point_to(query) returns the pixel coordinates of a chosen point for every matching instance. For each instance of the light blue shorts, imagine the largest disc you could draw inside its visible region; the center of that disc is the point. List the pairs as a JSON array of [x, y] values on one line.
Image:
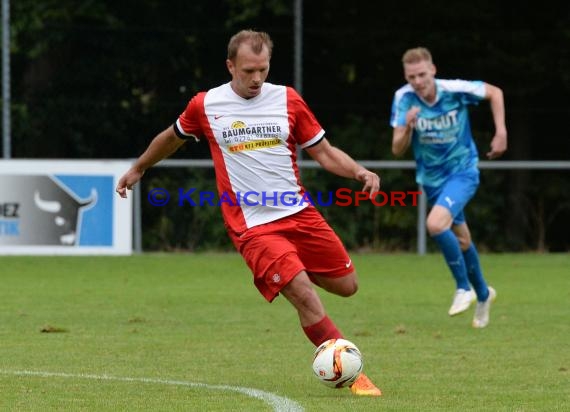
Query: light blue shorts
[[455, 193]]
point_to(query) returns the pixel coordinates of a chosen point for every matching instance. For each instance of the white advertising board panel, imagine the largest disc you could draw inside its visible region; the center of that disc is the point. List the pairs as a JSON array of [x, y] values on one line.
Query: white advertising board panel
[[63, 207]]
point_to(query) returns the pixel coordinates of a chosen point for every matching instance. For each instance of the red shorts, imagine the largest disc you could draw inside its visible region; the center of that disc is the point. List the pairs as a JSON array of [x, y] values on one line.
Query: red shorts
[[277, 251]]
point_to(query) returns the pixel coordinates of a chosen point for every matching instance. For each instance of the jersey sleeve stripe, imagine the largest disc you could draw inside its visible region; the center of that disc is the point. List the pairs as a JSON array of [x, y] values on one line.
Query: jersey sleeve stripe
[[180, 131], [314, 140]]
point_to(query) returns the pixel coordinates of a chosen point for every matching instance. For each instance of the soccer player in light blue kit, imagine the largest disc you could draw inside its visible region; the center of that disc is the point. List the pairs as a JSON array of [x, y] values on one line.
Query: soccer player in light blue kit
[[432, 115]]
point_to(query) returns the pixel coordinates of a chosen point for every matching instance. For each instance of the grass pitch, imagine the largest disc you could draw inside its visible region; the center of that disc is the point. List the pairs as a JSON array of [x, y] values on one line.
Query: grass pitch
[[191, 333]]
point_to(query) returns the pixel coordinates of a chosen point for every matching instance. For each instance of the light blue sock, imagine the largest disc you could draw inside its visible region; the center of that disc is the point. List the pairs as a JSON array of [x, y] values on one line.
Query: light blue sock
[[449, 246], [474, 273]]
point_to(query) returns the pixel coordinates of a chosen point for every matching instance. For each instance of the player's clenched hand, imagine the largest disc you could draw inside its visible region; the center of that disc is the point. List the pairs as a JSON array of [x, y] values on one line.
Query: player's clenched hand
[[127, 181], [498, 146], [371, 181], [412, 116]]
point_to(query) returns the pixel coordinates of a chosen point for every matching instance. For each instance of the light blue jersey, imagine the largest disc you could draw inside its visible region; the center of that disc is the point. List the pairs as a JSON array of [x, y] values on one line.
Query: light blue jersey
[[441, 140]]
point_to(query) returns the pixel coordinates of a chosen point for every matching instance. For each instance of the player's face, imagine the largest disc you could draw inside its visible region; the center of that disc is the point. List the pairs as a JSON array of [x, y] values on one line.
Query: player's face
[[421, 76], [248, 70]]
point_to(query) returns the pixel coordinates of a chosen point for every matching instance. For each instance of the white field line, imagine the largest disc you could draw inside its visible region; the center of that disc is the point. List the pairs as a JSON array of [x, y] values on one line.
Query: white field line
[[279, 403]]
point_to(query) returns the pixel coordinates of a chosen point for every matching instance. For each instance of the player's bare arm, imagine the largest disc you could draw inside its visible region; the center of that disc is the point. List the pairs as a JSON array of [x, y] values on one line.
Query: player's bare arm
[[496, 101], [162, 146], [338, 162], [402, 136]]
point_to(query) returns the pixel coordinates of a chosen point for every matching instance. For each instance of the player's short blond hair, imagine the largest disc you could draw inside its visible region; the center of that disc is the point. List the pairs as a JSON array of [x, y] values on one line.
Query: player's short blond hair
[[256, 39], [416, 55]]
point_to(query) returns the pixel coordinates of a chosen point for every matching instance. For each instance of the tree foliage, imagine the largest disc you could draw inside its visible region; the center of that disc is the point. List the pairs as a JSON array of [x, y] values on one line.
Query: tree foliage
[[98, 79]]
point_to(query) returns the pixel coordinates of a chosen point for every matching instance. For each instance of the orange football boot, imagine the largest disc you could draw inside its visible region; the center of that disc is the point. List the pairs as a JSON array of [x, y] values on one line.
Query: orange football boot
[[364, 386]]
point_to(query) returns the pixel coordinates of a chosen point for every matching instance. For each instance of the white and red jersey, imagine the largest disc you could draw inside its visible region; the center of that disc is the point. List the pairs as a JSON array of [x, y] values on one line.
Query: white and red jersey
[[253, 144]]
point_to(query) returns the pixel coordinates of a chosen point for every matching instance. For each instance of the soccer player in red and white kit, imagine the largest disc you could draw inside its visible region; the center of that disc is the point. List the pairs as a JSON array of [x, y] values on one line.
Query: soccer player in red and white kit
[[253, 129]]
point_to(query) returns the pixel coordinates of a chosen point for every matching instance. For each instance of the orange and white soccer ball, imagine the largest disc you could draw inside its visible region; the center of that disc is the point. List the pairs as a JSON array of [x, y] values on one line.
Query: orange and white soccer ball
[[337, 363]]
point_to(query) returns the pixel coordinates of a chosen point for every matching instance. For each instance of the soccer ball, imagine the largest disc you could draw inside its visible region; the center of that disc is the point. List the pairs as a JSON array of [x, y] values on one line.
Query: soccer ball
[[337, 363]]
